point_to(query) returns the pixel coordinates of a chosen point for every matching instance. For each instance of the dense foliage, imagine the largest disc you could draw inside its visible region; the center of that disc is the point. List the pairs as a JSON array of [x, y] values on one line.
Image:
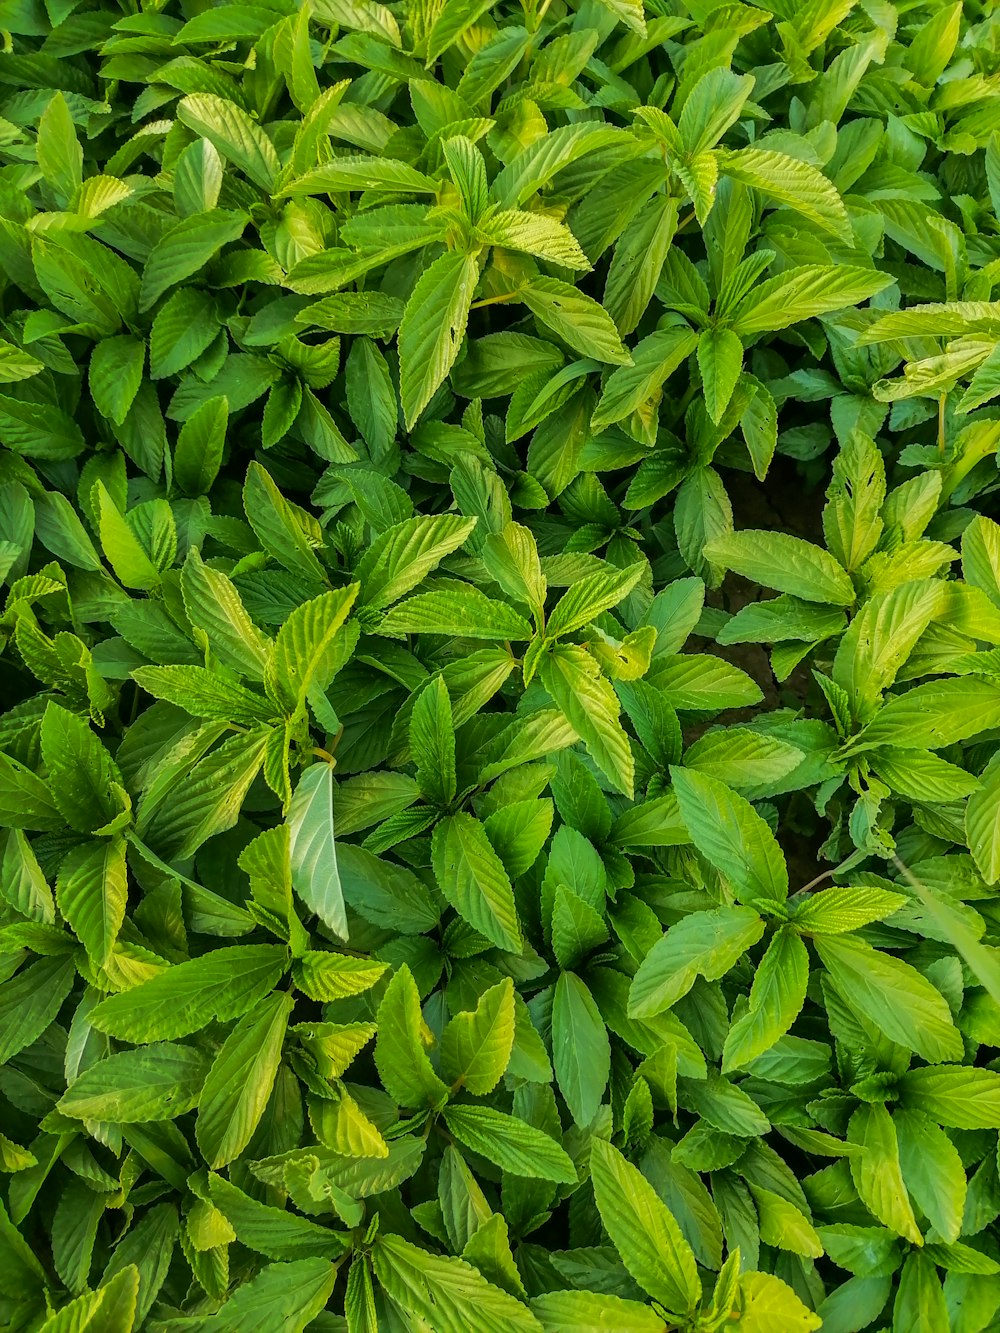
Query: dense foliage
[[443, 889]]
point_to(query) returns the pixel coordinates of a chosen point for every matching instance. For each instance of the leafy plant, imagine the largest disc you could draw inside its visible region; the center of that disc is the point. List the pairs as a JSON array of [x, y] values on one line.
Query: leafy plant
[[499, 785]]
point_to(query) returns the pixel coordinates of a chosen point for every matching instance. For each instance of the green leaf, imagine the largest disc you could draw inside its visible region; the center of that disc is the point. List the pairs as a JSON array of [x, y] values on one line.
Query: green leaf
[[459, 611], [510, 1143], [581, 1052], [157, 1082], [932, 1170], [729, 833], [836, 911], [982, 822], [60, 157], [589, 1312], [703, 944], [200, 445], [405, 554], [116, 367], [92, 892], [432, 743], [803, 293], [720, 360], [892, 995], [220, 985], [876, 1173], [476, 1045], [644, 1232], [282, 1296], [214, 607], [776, 998], [231, 131], [400, 1057], [590, 706], [768, 1303], [111, 1308], [473, 879], [278, 525], [959, 1098], [575, 318], [209, 801], [934, 715], [589, 596], [313, 850], [433, 328], [185, 248], [641, 379], [441, 1291], [30, 1001], [792, 184], [786, 563], [240, 1080], [82, 775], [204, 693]]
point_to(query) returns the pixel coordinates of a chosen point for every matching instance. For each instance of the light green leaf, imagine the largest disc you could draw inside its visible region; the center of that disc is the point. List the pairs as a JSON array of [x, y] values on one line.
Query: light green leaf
[[433, 328], [704, 944], [440, 1291], [720, 359], [472, 878], [588, 702], [892, 995], [644, 1231], [231, 131], [778, 560], [510, 1144], [776, 999], [220, 985], [576, 319], [476, 1045], [791, 183], [402, 1062], [240, 1080], [185, 248], [729, 833], [92, 892], [313, 848], [982, 822], [157, 1082], [803, 293]]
